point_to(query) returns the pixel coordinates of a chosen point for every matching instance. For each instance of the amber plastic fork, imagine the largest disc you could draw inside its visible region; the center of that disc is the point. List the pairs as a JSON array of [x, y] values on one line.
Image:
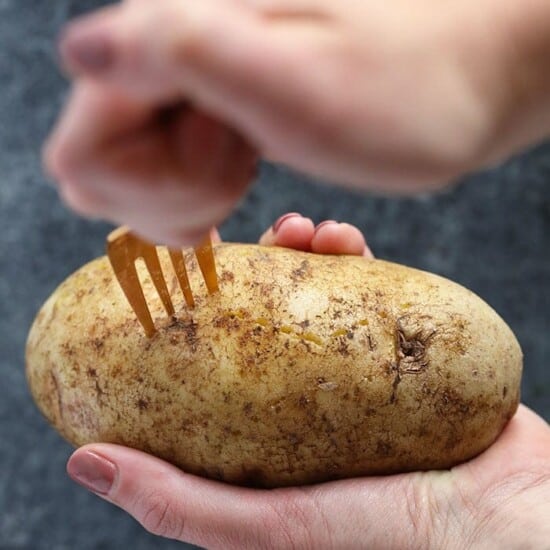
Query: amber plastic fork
[[124, 248]]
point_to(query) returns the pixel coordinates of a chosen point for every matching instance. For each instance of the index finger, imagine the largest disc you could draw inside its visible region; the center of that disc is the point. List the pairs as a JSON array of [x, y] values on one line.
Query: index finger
[[93, 116]]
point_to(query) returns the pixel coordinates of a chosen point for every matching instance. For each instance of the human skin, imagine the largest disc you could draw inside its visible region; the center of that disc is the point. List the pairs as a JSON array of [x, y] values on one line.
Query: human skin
[[397, 97], [501, 499]]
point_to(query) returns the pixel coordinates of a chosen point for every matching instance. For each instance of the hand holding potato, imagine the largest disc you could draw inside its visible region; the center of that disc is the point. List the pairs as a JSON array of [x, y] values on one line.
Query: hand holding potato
[[465, 506], [498, 500], [198, 100], [302, 368]]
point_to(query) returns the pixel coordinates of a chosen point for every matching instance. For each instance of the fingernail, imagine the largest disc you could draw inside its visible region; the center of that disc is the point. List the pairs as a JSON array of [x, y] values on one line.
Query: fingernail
[[87, 50], [94, 472], [326, 222], [277, 225]]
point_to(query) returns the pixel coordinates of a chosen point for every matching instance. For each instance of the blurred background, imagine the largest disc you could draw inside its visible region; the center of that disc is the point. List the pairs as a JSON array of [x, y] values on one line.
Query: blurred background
[[491, 233]]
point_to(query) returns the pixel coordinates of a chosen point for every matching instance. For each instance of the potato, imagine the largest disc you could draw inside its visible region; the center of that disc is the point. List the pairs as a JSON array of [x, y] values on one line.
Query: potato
[[303, 368]]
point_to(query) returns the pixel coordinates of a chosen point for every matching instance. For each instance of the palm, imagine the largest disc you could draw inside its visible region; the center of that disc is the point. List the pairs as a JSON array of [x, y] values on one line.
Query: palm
[[471, 505], [471, 502]]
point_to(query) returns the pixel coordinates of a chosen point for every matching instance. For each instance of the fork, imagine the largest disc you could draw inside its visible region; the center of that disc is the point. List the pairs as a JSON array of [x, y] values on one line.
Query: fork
[[124, 248]]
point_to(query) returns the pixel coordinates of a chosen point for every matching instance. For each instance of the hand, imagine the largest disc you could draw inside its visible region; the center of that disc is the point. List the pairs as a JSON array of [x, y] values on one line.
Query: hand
[[501, 499], [169, 176], [388, 96]]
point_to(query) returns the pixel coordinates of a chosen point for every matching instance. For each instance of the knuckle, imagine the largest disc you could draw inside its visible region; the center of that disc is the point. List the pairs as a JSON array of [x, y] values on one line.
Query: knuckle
[[159, 516], [186, 46]]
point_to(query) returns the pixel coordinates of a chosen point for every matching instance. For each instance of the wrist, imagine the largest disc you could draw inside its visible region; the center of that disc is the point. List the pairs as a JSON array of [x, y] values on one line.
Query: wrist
[[503, 51], [522, 57]]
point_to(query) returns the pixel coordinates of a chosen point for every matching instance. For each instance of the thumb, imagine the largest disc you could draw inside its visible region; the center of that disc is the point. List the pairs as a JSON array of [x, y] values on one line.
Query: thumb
[[381, 512], [173, 504], [223, 55]]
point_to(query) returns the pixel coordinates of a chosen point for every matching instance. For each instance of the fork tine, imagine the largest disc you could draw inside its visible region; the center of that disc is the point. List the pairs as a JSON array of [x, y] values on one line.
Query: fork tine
[[149, 254], [122, 249], [181, 273], [207, 264]]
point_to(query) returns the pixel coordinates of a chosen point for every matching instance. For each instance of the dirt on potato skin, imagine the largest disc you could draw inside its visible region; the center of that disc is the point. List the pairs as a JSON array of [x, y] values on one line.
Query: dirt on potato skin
[[302, 369]]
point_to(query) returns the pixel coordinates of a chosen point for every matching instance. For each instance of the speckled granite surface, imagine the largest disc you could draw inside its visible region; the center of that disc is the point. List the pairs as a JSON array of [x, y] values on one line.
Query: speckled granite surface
[[491, 234]]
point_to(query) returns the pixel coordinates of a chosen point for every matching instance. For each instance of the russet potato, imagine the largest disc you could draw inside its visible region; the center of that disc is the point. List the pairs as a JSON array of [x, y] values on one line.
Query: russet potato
[[302, 368]]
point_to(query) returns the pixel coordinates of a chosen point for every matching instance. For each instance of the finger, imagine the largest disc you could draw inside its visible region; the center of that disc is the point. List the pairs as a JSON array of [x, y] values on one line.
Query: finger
[[92, 117], [291, 230], [213, 52], [168, 180], [174, 201], [94, 121], [339, 238], [170, 503], [215, 236], [122, 45]]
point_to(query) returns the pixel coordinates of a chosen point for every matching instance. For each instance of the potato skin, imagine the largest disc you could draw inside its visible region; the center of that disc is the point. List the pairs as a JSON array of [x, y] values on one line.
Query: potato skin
[[303, 368]]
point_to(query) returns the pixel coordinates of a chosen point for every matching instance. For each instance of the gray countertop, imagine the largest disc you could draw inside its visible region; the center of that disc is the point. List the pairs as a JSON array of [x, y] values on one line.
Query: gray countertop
[[491, 234]]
